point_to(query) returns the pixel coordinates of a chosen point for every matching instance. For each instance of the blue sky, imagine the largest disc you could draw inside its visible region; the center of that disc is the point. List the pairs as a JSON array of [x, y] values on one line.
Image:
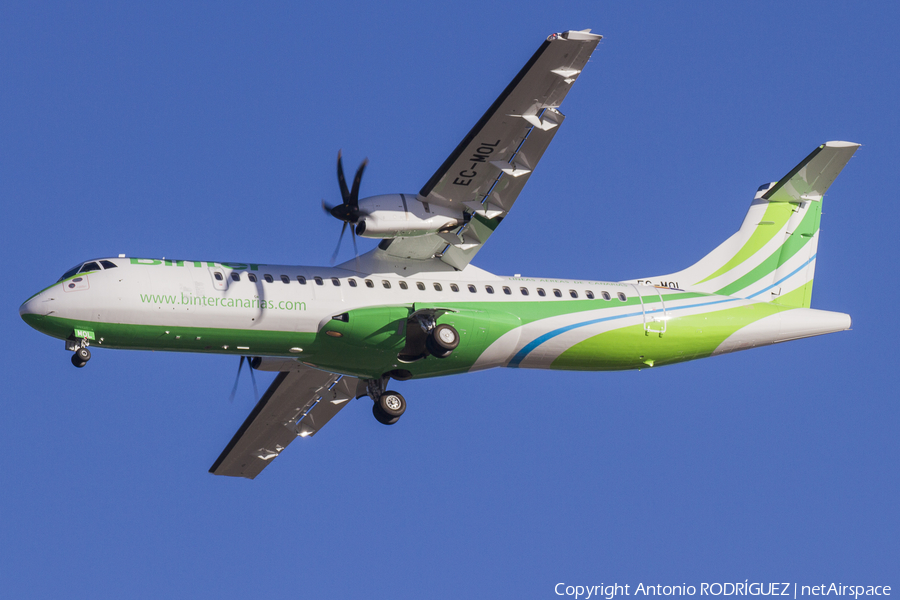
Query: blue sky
[[210, 131]]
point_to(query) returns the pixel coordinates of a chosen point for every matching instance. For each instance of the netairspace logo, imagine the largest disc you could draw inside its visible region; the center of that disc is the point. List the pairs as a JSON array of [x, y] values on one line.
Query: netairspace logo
[[740, 588]]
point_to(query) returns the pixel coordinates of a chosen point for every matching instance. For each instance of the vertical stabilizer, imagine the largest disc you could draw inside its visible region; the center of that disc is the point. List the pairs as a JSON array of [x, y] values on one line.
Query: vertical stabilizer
[[773, 255]]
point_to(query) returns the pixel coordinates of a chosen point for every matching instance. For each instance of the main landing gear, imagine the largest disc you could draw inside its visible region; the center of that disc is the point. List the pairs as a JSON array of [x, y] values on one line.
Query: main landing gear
[[388, 406], [428, 338], [81, 354], [388, 409], [442, 341]]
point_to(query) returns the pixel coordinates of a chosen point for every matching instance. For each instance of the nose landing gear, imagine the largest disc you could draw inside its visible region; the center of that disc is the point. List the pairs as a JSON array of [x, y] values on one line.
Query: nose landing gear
[[81, 357]]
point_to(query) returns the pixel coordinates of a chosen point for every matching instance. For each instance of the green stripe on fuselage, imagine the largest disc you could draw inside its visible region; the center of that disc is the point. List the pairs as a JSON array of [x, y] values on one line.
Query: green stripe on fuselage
[[345, 355], [686, 338]]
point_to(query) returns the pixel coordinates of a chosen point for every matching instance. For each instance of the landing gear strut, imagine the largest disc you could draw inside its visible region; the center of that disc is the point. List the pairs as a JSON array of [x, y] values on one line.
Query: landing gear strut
[[388, 406]]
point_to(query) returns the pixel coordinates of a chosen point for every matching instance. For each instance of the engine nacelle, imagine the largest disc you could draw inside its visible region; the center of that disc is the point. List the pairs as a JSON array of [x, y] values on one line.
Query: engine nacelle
[[404, 215]]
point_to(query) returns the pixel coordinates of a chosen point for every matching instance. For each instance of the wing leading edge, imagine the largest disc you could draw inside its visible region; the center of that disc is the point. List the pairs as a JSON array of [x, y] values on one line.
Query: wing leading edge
[[297, 404], [490, 166]]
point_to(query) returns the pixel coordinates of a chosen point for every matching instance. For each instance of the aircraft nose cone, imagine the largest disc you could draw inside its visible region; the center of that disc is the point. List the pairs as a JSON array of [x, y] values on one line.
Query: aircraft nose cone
[[30, 306], [36, 308]]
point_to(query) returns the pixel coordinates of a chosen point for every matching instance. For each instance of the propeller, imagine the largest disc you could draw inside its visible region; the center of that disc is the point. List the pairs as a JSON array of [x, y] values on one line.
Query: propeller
[[252, 377], [348, 210]]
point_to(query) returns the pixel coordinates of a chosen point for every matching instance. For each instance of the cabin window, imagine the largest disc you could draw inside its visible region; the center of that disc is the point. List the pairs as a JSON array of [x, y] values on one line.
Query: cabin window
[[524, 291], [420, 285], [89, 266], [541, 292], [437, 287], [403, 285], [218, 276], [369, 283], [268, 278], [454, 287], [471, 288], [235, 276], [621, 296], [573, 293], [301, 279], [506, 290], [285, 279], [335, 281], [606, 295], [251, 277], [351, 282], [557, 293], [386, 284], [318, 280], [589, 294], [107, 264], [489, 289]]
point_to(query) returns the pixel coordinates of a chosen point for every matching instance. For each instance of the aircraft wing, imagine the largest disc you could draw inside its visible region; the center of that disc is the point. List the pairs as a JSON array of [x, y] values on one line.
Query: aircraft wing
[[491, 165], [298, 403]]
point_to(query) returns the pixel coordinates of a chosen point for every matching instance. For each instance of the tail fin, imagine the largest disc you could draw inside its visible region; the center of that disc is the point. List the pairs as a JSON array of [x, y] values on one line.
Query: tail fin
[[773, 256]]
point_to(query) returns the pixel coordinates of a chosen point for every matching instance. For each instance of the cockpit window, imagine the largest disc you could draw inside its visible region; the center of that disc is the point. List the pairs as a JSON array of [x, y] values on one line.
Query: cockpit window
[[70, 272], [92, 265]]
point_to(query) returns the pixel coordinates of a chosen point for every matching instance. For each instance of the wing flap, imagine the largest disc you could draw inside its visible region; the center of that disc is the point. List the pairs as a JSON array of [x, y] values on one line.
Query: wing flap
[[298, 403]]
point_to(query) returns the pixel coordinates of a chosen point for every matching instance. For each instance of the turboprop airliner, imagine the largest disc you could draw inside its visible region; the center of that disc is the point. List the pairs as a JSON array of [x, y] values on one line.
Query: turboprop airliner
[[416, 307]]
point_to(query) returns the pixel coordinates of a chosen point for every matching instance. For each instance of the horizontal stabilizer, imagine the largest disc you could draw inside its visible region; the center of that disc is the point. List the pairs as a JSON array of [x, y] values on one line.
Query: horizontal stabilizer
[[811, 178]]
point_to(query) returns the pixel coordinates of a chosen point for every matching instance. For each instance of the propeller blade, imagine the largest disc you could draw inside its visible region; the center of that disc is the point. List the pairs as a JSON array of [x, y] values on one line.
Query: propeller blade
[[355, 249], [236, 379], [334, 256], [343, 182], [348, 211], [253, 379], [354, 193]]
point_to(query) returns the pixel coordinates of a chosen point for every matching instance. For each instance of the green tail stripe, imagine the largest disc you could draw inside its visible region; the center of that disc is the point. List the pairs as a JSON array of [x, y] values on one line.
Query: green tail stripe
[[799, 298], [776, 213], [801, 236]]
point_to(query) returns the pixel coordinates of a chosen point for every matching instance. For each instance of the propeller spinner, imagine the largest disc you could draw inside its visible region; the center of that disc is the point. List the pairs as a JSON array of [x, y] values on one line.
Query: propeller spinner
[[348, 211]]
